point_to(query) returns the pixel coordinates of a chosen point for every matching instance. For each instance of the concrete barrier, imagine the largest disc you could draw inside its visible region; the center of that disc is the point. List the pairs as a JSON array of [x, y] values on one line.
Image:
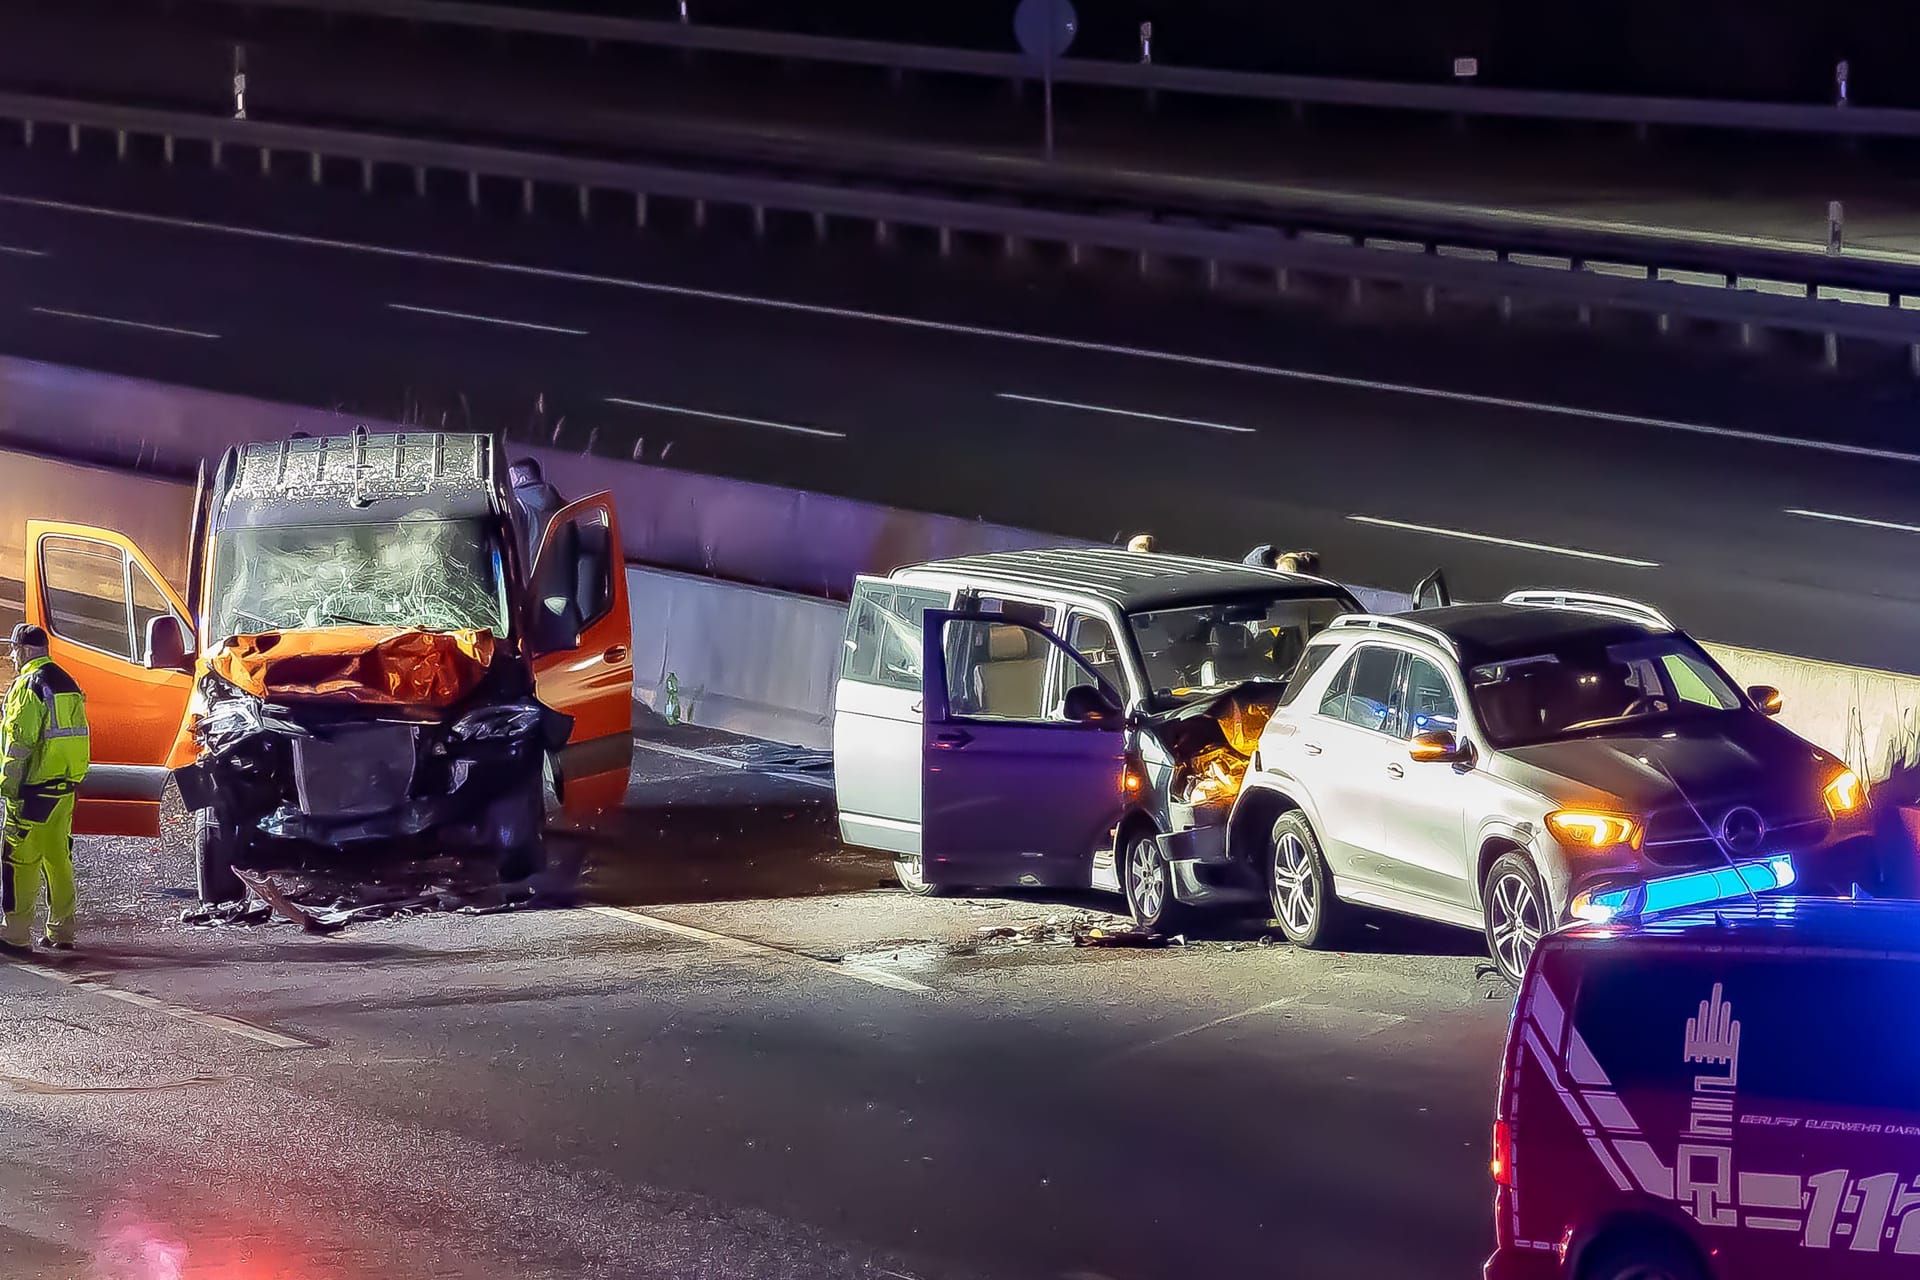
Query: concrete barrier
[[737, 582]]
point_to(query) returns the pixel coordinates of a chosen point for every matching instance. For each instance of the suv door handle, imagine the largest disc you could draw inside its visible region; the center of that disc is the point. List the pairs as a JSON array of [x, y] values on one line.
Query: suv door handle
[[951, 738], [1397, 769], [1311, 748]]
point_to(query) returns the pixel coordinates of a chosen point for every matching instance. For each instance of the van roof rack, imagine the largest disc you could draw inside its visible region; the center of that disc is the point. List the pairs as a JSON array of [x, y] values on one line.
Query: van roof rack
[[1588, 602], [1380, 622]]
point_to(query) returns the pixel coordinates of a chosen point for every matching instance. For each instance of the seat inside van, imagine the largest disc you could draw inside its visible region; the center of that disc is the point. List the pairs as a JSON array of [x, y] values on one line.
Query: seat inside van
[[1013, 676]]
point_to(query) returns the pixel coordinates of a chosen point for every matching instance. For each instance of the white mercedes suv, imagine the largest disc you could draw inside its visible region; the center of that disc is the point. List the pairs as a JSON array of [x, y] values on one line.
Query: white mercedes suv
[[1511, 766]]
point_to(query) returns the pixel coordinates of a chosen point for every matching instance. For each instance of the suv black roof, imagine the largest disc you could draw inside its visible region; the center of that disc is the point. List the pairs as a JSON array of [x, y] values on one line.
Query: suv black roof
[[1131, 580], [356, 478], [1488, 632], [1887, 927]]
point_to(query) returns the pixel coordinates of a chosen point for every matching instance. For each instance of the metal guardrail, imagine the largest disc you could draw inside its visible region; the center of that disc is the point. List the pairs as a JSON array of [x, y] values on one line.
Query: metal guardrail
[[1764, 296], [1462, 100]]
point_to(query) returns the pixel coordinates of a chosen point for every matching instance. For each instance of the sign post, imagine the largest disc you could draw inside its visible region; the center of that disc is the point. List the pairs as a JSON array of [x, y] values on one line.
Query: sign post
[[239, 82], [1045, 30]]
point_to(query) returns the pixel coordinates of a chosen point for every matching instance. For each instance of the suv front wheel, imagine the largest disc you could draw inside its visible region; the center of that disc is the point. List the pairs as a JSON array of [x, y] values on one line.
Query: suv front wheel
[[1515, 905], [1300, 886]]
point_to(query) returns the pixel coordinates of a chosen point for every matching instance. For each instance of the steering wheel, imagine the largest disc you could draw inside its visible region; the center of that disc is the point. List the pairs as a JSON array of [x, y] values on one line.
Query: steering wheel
[[1645, 705]]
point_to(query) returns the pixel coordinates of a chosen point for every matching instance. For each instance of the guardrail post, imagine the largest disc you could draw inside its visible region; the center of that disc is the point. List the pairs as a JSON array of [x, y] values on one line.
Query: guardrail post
[[26, 133], [1913, 359], [882, 232], [760, 222], [526, 195], [1429, 300], [946, 242], [473, 188], [420, 180], [640, 210], [586, 203], [700, 214], [820, 226], [1213, 273], [166, 148], [1664, 322], [218, 149], [1355, 291], [266, 161], [120, 144], [1506, 307], [73, 138], [1073, 253], [366, 176], [1585, 314], [1010, 245], [314, 169], [1836, 226], [1830, 351], [1746, 334], [1145, 262], [1282, 278]]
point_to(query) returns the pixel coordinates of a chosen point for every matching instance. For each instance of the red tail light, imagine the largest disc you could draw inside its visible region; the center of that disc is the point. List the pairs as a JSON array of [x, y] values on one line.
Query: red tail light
[[1502, 1162]]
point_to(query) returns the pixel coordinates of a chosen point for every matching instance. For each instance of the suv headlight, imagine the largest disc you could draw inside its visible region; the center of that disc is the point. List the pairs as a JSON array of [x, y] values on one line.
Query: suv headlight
[[1844, 794], [1592, 829], [490, 724]]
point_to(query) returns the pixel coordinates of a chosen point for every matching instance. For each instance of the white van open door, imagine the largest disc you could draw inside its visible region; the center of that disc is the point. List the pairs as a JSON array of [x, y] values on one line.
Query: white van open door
[[877, 715]]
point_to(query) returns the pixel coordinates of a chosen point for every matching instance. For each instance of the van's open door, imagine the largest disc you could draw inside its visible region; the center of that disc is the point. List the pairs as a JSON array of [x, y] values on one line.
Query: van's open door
[[579, 584], [1012, 792], [95, 594]]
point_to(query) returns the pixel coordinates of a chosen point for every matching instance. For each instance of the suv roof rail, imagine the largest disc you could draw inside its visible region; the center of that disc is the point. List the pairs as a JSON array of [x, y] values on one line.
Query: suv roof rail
[[1588, 602], [1380, 622]]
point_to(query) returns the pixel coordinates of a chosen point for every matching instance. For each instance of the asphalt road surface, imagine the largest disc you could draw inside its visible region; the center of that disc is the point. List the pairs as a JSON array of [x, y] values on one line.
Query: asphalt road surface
[[1758, 501], [737, 1056]]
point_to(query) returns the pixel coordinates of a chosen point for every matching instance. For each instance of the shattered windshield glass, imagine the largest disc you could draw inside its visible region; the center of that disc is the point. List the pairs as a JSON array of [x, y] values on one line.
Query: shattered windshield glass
[[439, 575], [1209, 646]]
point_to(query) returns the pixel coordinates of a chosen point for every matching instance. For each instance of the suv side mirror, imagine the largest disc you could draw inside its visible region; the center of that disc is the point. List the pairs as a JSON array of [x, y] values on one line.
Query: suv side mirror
[[1438, 745], [1767, 698], [1089, 704], [166, 648]]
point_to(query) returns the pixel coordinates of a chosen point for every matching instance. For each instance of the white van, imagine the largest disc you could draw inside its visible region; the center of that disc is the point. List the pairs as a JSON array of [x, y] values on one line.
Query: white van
[[1087, 720]]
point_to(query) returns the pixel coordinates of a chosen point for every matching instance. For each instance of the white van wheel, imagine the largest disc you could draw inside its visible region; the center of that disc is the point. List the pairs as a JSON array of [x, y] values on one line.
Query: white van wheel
[[1148, 882], [908, 871]]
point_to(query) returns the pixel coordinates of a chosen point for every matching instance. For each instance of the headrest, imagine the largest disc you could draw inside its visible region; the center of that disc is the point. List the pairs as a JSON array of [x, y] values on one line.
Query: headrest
[[1006, 643]]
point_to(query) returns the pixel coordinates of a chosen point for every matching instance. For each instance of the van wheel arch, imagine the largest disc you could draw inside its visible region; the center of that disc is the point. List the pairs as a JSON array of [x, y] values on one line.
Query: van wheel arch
[[1618, 1240]]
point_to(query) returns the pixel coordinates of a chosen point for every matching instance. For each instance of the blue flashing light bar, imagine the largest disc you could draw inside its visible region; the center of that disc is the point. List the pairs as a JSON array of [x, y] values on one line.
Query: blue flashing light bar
[[1691, 889]]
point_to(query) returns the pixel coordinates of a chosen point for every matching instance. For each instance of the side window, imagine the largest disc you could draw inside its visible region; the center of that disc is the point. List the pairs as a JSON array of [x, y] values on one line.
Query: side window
[[148, 604], [997, 671], [1691, 684], [1365, 696], [1334, 701], [1429, 700], [884, 627], [85, 584], [577, 565], [1090, 636], [1311, 661]]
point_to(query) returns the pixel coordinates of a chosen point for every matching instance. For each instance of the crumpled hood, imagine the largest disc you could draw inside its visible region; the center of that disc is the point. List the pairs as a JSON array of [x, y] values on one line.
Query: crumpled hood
[[375, 666], [1710, 756]]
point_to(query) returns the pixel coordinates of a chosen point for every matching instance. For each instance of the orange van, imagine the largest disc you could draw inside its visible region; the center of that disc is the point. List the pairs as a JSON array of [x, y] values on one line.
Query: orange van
[[362, 657]]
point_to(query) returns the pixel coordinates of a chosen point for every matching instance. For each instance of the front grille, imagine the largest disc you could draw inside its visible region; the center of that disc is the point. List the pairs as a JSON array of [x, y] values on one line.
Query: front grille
[[1676, 836], [354, 772]]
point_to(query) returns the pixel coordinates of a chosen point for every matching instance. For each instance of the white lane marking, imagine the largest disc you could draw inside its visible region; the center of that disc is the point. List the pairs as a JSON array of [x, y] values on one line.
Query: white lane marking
[[1577, 554], [212, 1021], [1124, 413], [1894, 525], [684, 753], [1281, 1003], [21, 251], [976, 331], [727, 942], [480, 319], [123, 324], [726, 417]]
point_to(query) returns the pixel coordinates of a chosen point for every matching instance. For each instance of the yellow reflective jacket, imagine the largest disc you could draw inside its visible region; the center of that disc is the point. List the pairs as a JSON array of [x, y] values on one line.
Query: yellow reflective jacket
[[43, 730]]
